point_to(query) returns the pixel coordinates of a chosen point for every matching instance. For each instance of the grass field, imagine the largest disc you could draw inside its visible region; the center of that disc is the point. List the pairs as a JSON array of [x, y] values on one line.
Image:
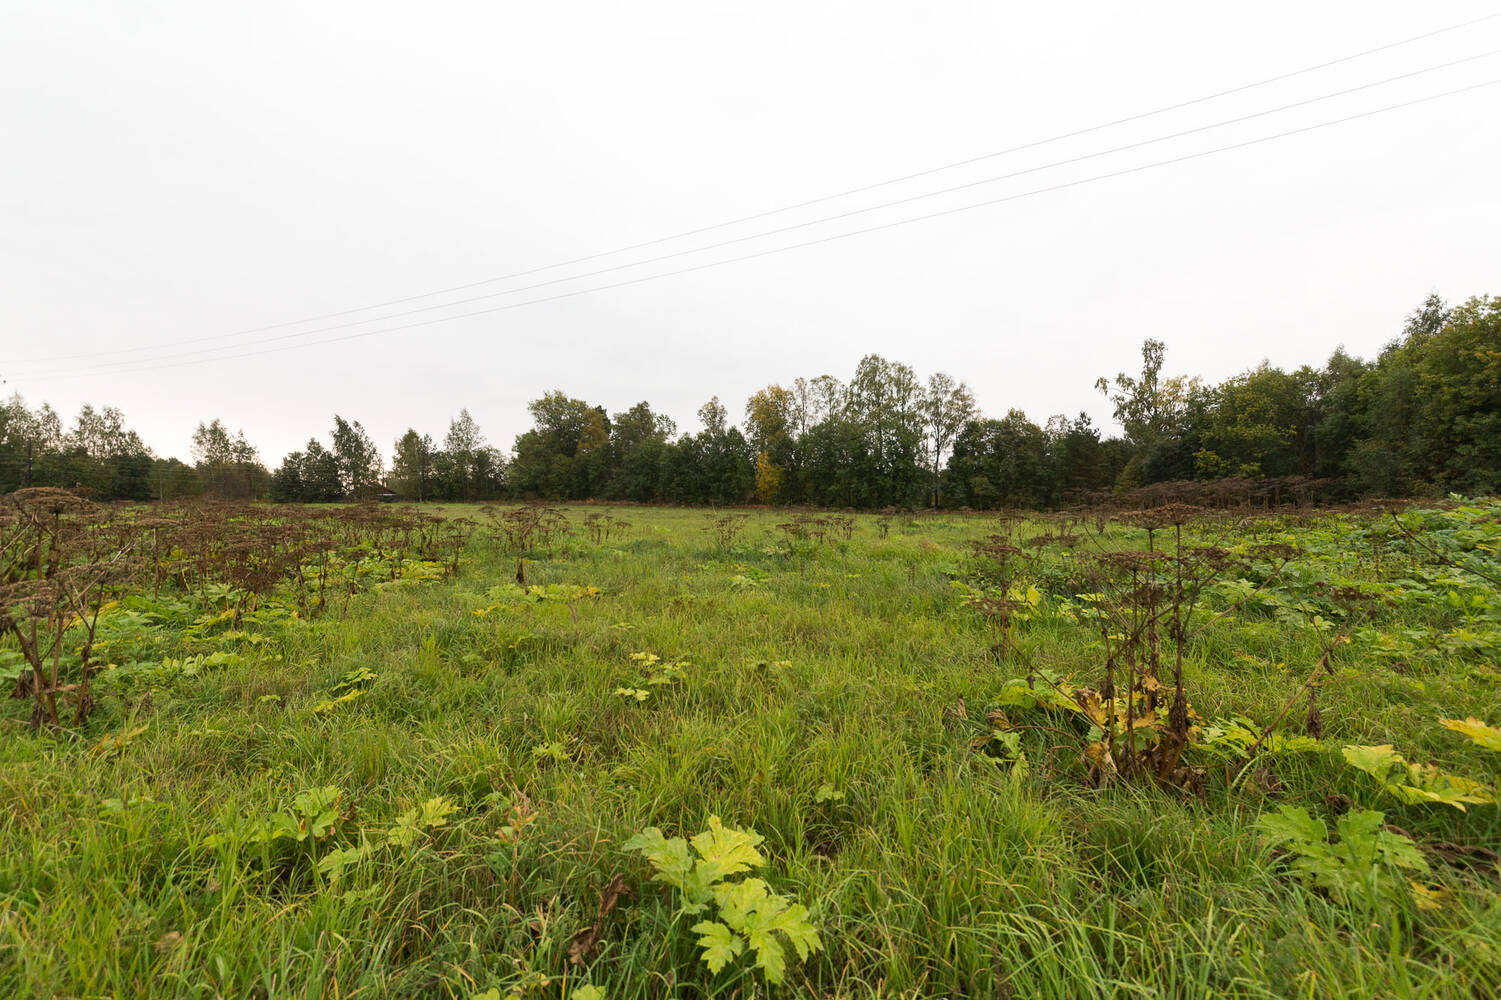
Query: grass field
[[470, 759]]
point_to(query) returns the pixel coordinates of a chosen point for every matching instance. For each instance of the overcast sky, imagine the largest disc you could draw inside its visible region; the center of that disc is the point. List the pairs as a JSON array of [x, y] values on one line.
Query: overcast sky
[[178, 171]]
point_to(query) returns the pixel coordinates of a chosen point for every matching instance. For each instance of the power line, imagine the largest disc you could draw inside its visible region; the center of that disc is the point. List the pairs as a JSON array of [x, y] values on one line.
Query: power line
[[124, 365], [787, 208], [820, 240]]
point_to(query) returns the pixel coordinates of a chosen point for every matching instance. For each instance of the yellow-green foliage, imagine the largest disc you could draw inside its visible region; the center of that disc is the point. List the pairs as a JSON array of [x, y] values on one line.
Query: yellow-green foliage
[[1416, 783], [749, 915], [1484, 736]]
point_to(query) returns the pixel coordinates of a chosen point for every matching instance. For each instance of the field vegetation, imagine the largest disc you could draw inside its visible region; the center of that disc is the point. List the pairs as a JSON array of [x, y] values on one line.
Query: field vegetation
[[287, 751]]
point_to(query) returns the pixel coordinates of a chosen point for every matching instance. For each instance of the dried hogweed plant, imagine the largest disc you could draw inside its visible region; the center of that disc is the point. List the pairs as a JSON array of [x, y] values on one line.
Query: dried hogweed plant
[[1147, 605], [61, 563]]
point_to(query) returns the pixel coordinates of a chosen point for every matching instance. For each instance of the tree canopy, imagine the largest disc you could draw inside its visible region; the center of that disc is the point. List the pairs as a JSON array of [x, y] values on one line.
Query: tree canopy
[[1422, 417]]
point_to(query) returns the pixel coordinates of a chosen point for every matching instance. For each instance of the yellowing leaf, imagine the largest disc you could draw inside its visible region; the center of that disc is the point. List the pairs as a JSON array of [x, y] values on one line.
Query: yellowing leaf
[[750, 915], [1416, 784], [738, 900], [668, 857], [111, 743], [1482, 735], [729, 850], [436, 810], [1377, 761], [1427, 898], [326, 706]]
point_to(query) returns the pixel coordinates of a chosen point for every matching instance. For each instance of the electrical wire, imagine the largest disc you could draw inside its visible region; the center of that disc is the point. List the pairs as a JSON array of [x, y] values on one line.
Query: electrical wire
[[807, 243], [1139, 116], [124, 365]]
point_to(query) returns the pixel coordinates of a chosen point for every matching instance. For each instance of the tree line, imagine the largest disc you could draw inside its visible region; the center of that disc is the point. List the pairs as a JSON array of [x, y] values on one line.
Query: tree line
[[1423, 416]]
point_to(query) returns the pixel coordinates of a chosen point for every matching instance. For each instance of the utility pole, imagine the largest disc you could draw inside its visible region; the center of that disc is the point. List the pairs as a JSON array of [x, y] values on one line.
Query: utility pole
[[28, 463]]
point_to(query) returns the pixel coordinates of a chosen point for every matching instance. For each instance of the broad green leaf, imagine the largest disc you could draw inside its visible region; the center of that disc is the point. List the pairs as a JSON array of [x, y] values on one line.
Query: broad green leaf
[[828, 793], [769, 955], [318, 809], [428, 816], [1238, 736], [405, 833], [1363, 843], [1016, 692], [1278, 742], [1361, 824], [698, 887], [749, 915], [648, 842], [760, 915], [793, 922], [1293, 826], [334, 863], [315, 799], [1377, 761], [720, 945], [1356, 866], [1400, 852], [281, 825]]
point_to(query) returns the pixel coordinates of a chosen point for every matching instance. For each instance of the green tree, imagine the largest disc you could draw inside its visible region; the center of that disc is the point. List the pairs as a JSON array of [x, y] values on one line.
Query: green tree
[[770, 421], [1457, 375], [946, 408], [464, 452], [412, 466], [357, 459], [173, 479], [1256, 425], [227, 465], [1148, 406], [886, 400], [1079, 458], [566, 454], [1000, 463], [310, 476], [638, 442]]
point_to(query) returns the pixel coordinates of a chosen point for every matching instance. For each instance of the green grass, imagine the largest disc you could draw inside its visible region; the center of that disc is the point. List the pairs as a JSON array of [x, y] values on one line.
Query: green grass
[[936, 874]]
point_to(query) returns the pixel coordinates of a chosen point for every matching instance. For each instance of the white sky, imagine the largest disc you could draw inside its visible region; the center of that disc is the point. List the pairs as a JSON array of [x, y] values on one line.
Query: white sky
[[180, 170]]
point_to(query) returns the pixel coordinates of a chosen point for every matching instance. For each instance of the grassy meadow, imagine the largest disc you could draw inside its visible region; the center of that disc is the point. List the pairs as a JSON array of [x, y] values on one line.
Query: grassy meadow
[[426, 791]]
